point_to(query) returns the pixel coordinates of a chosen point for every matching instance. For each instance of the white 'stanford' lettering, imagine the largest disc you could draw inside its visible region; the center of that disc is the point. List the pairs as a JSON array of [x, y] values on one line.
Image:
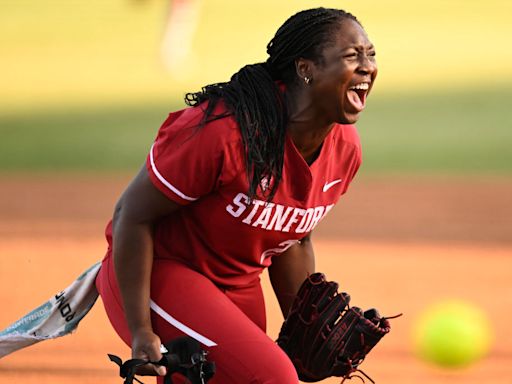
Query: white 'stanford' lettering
[[279, 218], [264, 216], [240, 206], [294, 218], [276, 217], [250, 216], [306, 220]]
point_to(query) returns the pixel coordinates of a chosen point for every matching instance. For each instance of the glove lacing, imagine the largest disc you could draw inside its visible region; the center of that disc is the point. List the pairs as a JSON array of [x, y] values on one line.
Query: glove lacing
[[354, 366]]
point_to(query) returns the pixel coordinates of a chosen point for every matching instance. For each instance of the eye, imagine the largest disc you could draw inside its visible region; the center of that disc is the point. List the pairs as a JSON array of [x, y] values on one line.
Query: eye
[[350, 55]]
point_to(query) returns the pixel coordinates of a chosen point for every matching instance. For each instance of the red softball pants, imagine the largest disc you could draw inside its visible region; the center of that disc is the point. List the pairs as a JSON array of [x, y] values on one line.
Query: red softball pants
[[230, 324]]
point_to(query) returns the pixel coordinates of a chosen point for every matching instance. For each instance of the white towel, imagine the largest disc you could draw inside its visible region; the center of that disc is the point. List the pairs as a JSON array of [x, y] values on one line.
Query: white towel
[[57, 317]]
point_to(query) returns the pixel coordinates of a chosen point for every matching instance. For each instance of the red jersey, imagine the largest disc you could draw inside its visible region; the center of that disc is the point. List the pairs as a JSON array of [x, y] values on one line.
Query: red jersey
[[219, 231]]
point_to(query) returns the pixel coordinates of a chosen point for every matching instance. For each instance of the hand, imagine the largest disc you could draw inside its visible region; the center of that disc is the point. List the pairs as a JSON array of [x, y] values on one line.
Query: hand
[[146, 345]]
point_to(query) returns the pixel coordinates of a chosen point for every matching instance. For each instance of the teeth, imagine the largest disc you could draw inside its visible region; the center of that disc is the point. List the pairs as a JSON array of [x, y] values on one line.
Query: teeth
[[362, 86]]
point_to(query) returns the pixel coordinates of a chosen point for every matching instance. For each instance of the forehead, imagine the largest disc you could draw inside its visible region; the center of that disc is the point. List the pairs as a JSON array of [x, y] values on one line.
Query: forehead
[[349, 34]]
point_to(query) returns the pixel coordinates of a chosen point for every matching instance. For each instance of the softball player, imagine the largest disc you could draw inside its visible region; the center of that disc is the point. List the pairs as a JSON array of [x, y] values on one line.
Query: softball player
[[232, 185]]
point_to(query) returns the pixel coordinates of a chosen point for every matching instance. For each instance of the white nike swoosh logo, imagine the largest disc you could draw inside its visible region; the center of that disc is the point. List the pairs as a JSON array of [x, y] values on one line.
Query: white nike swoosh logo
[[328, 186]]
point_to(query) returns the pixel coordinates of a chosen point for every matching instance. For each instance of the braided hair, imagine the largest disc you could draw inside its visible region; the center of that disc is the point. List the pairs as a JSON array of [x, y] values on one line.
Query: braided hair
[[253, 96]]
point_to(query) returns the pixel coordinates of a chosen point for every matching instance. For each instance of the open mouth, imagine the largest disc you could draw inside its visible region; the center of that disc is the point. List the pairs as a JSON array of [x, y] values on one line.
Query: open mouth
[[357, 95]]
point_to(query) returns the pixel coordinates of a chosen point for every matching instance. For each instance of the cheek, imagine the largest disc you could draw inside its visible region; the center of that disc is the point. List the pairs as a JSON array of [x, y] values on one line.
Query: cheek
[[375, 71], [332, 86], [338, 81]]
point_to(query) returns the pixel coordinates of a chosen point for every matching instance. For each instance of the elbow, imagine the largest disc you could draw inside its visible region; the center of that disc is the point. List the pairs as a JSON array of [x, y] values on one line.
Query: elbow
[[117, 212], [127, 214]]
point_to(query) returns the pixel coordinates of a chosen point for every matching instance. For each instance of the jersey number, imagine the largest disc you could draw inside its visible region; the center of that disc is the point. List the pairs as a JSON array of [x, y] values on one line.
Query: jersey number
[[283, 246]]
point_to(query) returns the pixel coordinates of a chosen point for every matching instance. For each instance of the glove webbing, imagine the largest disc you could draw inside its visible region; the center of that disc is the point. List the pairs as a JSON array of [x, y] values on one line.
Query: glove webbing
[[351, 375]]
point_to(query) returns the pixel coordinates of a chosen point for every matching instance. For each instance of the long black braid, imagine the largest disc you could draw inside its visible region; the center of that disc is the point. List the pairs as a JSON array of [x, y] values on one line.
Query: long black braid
[[253, 96]]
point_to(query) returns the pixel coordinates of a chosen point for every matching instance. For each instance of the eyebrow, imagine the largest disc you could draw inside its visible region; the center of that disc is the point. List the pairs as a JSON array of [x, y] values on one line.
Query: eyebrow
[[359, 47]]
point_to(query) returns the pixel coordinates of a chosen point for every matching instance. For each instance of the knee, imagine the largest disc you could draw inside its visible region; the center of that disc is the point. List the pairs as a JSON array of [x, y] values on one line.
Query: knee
[[278, 370], [269, 366]]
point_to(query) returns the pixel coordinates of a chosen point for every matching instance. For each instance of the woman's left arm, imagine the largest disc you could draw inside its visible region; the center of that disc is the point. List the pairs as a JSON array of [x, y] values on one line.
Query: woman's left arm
[[289, 270]]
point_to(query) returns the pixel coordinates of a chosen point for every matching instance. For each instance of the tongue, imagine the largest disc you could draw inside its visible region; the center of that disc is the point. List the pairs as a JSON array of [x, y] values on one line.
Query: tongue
[[355, 100]]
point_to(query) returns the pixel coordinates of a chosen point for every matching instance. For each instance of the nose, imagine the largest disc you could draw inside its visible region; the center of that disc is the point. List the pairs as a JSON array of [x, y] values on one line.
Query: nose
[[367, 64]]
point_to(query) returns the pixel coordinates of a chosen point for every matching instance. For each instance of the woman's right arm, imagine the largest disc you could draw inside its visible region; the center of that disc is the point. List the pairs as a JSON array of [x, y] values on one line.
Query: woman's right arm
[[136, 212]]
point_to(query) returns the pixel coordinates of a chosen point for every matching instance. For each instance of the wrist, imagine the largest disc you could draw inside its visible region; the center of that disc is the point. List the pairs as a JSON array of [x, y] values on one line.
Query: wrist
[[140, 329]]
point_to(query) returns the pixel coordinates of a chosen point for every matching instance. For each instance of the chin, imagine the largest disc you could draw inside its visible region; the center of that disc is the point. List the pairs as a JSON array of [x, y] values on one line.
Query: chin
[[348, 119]]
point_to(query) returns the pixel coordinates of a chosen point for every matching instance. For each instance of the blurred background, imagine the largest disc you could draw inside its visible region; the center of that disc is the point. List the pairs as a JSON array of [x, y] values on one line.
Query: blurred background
[[84, 87]]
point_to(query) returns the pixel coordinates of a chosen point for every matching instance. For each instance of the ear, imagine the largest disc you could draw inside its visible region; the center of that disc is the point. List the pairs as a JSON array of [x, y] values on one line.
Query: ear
[[304, 68]]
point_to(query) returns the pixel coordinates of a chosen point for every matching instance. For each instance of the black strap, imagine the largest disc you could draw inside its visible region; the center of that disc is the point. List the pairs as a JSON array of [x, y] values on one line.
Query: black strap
[[127, 369], [184, 356]]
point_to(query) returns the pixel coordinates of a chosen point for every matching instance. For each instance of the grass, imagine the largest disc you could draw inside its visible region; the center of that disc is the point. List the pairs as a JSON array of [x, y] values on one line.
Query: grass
[[107, 139], [459, 132]]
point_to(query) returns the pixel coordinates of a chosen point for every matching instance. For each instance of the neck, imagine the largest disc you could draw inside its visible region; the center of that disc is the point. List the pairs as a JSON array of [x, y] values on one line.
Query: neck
[[307, 130], [307, 142]]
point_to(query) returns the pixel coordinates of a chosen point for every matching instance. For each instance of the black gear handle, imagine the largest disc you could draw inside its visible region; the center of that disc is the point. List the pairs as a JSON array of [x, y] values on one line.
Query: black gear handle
[[182, 355]]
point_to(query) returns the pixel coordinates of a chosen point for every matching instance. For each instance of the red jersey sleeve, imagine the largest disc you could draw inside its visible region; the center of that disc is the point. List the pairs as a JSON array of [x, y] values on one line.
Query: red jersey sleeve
[[187, 160]]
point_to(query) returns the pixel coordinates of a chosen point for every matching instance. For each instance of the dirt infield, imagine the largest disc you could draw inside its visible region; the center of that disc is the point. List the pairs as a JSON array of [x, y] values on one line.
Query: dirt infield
[[398, 244]]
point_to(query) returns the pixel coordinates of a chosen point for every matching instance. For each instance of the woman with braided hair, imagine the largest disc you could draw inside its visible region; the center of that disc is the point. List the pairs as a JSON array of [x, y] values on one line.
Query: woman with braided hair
[[235, 184]]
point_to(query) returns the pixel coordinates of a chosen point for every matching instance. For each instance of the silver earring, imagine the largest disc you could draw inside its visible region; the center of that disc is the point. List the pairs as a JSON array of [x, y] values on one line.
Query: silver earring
[[307, 80]]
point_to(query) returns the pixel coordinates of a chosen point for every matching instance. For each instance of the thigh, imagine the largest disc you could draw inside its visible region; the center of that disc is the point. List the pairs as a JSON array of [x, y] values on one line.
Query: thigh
[[251, 302], [192, 304]]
